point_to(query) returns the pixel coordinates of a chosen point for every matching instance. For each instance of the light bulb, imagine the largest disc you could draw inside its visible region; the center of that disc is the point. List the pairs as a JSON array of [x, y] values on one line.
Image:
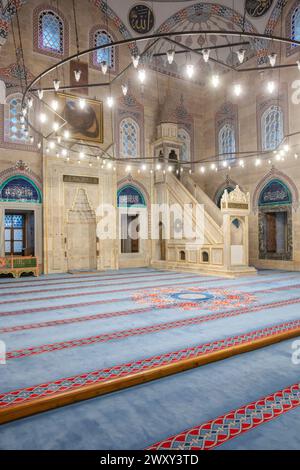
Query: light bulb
[[142, 75], [104, 67], [257, 162], [241, 55], [55, 126], [213, 166], [39, 145], [77, 74], [286, 147], [43, 118], [272, 59], [215, 80], [58, 139], [64, 152], [158, 166], [110, 101], [47, 150], [190, 70], [124, 89], [56, 84], [31, 139], [241, 163], [40, 94], [128, 168], [225, 164], [82, 103], [109, 165], [81, 155], [52, 144], [67, 134], [144, 167], [170, 56], [206, 53], [296, 156], [202, 169], [271, 86], [135, 60], [237, 89], [54, 105], [170, 168], [298, 64]]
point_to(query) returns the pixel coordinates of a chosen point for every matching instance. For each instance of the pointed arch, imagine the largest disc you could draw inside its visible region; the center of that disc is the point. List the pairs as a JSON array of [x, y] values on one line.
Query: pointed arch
[[272, 175]]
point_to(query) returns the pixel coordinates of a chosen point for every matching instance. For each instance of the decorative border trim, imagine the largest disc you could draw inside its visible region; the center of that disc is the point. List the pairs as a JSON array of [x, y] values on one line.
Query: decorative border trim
[[27, 401], [235, 423]]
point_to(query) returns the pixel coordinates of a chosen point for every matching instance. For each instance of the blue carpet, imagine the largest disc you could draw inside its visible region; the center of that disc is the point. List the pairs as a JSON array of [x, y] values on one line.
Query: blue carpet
[[138, 417]]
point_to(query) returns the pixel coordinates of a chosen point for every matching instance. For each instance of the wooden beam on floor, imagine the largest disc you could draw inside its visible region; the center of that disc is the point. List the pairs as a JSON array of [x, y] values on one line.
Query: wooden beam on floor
[[22, 410]]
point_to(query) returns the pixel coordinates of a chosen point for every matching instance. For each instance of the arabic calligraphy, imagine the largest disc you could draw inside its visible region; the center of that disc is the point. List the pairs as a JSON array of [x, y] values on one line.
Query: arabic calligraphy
[[141, 19], [257, 8]]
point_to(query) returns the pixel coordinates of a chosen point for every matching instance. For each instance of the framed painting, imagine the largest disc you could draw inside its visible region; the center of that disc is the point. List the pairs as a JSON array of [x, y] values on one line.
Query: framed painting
[[84, 123]]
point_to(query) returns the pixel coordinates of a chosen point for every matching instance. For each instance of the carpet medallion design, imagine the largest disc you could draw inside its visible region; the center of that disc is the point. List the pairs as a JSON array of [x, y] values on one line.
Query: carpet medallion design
[[194, 297]]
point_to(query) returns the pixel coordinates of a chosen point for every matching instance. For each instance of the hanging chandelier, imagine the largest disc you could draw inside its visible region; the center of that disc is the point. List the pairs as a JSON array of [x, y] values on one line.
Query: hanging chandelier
[[60, 137]]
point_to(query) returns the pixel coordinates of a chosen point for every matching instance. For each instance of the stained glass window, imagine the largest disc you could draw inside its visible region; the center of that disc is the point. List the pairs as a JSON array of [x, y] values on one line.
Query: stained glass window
[[14, 128], [51, 32], [185, 152], [295, 25], [14, 234], [227, 142], [272, 127], [104, 55], [129, 138]]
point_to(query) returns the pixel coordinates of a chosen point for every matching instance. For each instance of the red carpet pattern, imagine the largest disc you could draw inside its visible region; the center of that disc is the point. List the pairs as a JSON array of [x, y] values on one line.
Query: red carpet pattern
[[47, 348], [224, 428], [123, 370]]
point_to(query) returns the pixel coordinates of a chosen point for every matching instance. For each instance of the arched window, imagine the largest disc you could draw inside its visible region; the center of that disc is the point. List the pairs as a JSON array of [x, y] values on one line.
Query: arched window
[[227, 142], [101, 38], [50, 32], [185, 152], [129, 138], [272, 127], [295, 24], [293, 27], [14, 129]]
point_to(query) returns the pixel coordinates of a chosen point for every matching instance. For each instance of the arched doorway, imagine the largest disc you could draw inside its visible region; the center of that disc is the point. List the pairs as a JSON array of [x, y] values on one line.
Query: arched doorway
[[20, 208], [275, 221], [132, 207]]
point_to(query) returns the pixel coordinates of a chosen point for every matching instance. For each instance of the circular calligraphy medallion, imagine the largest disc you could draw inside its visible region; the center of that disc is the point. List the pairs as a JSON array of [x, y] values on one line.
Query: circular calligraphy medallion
[[257, 8], [141, 19]]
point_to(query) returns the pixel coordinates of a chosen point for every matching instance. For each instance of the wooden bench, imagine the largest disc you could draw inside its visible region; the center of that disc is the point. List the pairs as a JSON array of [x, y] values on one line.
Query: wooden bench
[[17, 265]]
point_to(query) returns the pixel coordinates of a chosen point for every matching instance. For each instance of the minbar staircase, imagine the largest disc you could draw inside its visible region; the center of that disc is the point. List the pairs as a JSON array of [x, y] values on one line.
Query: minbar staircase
[[223, 247]]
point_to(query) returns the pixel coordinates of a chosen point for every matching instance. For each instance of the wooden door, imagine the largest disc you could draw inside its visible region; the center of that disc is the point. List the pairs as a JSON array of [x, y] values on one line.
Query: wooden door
[[271, 232]]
